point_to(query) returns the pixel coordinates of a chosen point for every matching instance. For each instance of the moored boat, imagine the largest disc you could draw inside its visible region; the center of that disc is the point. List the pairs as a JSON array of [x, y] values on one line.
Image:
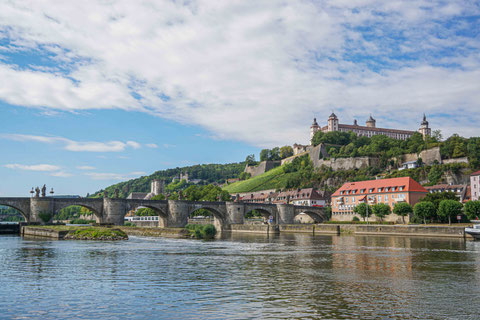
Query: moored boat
[[474, 232]]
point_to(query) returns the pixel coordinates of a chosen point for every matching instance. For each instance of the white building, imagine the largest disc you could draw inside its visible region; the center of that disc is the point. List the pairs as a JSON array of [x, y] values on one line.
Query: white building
[[475, 185]]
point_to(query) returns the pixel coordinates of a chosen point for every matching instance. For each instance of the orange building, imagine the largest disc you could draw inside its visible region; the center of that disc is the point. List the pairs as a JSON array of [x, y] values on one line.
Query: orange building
[[388, 191]]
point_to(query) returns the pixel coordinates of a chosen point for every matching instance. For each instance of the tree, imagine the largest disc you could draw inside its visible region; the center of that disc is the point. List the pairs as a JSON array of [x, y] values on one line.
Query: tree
[[424, 210], [381, 210], [402, 209], [472, 209], [363, 210], [286, 151], [250, 159], [449, 209], [264, 155], [437, 197], [274, 154]]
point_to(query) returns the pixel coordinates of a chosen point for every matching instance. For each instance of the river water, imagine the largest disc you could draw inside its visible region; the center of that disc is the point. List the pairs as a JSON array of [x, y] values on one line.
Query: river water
[[241, 277]]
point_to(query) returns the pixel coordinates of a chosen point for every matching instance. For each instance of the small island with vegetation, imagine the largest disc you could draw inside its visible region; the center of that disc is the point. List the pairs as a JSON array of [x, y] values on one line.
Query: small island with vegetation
[[75, 232]]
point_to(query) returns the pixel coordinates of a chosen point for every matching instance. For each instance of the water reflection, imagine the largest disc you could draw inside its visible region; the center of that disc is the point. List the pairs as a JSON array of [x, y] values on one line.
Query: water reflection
[[240, 276]]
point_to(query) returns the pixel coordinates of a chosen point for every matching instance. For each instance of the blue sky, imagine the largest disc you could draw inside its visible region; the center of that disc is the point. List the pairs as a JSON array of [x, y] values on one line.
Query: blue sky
[[97, 92]]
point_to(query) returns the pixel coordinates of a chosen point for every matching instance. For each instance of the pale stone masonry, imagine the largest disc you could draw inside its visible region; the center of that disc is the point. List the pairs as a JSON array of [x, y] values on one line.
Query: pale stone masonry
[[369, 130], [475, 185]]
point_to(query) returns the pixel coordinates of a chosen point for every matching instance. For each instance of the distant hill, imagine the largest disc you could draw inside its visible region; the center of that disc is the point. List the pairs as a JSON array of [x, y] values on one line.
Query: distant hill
[[209, 173]]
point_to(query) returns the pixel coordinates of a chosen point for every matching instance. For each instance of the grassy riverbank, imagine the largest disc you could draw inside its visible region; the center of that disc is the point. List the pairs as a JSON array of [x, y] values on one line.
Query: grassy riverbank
[[80, 233]]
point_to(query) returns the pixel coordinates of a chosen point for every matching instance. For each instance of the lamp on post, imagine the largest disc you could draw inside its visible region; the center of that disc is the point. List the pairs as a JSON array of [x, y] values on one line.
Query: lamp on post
[[32, 192], [51, 191]]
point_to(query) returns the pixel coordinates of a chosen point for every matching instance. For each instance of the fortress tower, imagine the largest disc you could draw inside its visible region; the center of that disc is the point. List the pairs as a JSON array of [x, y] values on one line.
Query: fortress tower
[[332, 123], [424, 129], [314, 128]]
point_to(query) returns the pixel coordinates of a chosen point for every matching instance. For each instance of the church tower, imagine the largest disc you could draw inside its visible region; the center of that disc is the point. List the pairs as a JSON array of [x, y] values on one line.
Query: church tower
[[371, 123], [314, 128], [424, 129], [332, 123]]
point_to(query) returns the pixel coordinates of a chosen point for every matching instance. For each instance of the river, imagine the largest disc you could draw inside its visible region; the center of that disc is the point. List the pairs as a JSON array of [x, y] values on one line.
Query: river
[[240, 277]]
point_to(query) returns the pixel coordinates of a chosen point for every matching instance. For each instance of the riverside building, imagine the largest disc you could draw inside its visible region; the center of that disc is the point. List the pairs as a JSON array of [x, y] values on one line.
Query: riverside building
[[388, 191]]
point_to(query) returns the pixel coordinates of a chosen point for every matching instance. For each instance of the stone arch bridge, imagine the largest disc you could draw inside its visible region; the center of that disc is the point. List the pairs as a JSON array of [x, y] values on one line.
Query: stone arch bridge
[[172, 213]]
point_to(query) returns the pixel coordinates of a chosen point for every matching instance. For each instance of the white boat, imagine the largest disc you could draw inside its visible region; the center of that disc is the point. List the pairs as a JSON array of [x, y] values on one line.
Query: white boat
[[474, 232]]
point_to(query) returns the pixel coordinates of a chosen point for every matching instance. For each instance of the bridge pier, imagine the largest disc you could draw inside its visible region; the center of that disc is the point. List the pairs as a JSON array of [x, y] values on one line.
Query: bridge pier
[[177, 214], [38, 206], [285, 213], [235, 213], [114, 211]]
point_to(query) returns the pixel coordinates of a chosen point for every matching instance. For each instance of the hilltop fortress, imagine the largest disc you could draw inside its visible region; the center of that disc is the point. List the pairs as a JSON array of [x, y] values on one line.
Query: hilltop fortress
[[369, 130]]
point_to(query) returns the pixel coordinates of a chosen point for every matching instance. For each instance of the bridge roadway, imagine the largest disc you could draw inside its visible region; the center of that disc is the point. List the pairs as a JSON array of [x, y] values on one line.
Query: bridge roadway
[[172, 213]]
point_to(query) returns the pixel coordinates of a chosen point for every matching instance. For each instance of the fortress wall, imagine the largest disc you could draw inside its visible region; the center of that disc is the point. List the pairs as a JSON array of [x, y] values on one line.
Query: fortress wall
[[262, 167]]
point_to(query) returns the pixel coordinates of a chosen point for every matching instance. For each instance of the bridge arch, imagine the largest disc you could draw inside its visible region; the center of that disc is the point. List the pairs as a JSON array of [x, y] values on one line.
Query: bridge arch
[[219, 218], [317, 215], [17, 208], [162, 215], [59, 207]]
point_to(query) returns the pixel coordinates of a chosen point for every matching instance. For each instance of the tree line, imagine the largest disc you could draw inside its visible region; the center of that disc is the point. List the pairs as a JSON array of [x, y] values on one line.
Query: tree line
[[435, 207]]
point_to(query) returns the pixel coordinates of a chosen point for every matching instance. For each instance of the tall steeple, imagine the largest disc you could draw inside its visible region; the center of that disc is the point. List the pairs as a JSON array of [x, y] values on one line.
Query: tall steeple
[[424, 129], [314, 128]]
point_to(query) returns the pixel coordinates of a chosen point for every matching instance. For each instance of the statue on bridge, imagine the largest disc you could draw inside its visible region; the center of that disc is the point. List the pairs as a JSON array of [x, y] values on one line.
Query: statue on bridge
[[37, 192], [44, 190]]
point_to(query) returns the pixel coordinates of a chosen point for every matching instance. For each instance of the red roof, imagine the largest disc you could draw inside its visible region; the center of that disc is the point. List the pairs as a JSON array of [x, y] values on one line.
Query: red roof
[[408, 183], [476, 173]]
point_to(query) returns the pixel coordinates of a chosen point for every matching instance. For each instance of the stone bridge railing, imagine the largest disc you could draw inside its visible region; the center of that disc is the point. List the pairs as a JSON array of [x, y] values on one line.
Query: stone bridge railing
[[172, 213]]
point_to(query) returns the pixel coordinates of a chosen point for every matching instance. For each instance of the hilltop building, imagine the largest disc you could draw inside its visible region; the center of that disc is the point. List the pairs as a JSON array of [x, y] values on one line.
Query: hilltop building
[[369, 130], [475, 185], [388, 191], [157, 187]]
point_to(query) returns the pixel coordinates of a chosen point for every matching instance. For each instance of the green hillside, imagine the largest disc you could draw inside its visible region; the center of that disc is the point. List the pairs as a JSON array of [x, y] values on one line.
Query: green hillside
[[265, 181], [208, 173]]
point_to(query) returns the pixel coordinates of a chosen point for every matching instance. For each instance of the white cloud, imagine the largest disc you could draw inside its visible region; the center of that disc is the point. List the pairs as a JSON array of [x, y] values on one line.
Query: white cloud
[[152, 145], [255, 71], [86, 168], [34, 167], [61, 174], [76, 146], [114, 176]]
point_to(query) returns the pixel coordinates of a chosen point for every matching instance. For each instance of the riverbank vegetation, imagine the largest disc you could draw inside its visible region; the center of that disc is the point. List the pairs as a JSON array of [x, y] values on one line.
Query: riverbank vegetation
[[201, 231], [86, 233]]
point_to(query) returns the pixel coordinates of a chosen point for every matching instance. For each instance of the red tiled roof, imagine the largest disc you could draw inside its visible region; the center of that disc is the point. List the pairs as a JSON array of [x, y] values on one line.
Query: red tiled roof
[[350, 126], [407, 182], [476, 173]]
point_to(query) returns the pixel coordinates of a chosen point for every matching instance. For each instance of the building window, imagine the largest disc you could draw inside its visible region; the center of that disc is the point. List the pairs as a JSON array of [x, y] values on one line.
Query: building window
[[386, 197], [379, 198]]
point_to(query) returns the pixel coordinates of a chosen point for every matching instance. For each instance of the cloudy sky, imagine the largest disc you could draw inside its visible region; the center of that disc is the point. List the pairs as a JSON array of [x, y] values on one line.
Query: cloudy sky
[[94, 92]]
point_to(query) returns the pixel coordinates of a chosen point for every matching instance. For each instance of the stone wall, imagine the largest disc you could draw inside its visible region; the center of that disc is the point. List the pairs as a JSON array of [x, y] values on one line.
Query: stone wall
[[347, 163], [262, 167], [458, 160], [428, 156]]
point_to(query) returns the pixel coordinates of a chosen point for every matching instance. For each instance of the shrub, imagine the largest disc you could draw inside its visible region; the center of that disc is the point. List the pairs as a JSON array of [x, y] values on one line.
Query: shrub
[[354, 219], [45, 216], [129, 224], [201, 231], [449, 209]]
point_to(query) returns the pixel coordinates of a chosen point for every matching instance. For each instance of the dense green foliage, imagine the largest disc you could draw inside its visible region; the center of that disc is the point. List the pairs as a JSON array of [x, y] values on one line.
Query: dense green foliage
[[45, 216], [97, 233], [449, 209], [381, 210], [348, 144], [402, 209], [438, 197], [10, 215], [201, 231], [209, 173], [363, 210], [276, 153], [72, 212], [81, 221], [472, 209], [424, 210]]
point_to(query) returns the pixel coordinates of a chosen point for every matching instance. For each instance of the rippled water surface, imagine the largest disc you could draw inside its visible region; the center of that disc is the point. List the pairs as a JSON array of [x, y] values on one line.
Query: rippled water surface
[[240, 277]]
